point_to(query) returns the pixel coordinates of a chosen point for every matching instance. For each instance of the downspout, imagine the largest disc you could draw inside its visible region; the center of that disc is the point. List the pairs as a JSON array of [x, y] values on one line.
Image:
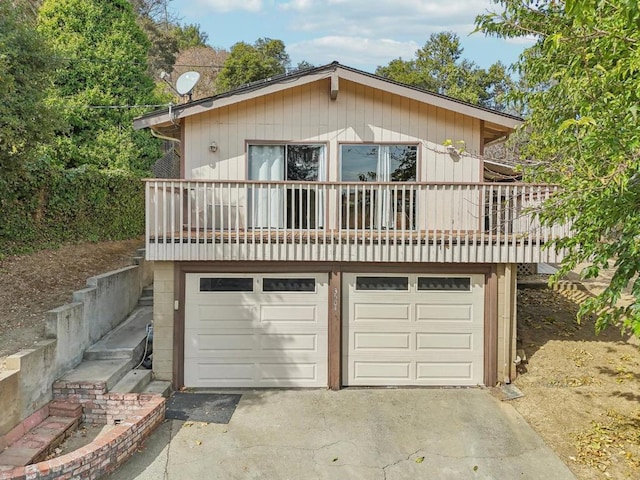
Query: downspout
[[164, 137]]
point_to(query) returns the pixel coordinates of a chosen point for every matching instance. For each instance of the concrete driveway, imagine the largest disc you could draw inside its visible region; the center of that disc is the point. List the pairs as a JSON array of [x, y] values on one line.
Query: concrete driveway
[[352, 434]]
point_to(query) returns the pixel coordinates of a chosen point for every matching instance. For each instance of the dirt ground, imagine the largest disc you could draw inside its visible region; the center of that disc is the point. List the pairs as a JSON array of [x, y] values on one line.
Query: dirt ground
[[581, 391], [30, 285]]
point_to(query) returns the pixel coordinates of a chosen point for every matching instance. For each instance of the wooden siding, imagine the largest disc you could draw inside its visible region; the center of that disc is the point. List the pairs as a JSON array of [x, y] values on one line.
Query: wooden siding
[[360, 114]]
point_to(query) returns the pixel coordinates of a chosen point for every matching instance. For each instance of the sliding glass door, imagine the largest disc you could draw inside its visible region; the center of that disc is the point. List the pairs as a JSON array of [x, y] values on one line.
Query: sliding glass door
[[279, 205]]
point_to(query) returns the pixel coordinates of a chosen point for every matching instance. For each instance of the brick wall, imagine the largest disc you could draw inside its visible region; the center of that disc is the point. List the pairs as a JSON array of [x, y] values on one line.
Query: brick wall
[[133, 416]]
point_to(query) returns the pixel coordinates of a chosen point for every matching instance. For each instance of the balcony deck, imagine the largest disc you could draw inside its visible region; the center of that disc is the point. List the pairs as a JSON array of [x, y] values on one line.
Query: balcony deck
[[469, 223]]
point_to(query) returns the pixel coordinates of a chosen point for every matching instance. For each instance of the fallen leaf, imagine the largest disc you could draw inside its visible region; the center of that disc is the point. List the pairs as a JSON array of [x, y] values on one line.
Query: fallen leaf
[[475, 468], [419, 459], [198, 442], [335, 459]]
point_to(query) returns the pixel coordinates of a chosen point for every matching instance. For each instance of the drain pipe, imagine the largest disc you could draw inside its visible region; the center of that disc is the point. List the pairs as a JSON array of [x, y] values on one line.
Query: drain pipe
[[164, 137]]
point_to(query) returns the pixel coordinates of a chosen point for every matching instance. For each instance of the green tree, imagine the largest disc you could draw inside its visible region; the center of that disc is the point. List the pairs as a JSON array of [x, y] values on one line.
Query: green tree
[[249, 63], [26, 65], [582, 103], [439, 67], [102, 81]]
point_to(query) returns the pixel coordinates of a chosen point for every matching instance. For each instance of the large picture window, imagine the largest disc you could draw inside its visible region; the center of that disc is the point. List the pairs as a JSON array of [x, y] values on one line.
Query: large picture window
[[384, 206], [378, 163], [280, 206]]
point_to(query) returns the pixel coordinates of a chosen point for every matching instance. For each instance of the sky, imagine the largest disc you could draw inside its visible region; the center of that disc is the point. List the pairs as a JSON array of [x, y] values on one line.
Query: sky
[[359, 33]]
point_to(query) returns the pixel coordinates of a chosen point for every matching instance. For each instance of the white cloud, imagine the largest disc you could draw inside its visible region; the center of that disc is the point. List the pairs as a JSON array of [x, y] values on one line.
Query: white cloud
[[526, 41], [400, 19], [353, 51], [231, 5]]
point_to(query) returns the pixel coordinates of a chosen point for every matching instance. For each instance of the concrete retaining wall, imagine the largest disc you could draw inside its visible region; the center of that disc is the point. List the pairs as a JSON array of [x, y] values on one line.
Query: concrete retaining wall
[[70, 330]]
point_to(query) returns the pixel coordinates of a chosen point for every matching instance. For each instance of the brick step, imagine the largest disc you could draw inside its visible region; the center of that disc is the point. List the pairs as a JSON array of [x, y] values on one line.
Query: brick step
[[41, 440]]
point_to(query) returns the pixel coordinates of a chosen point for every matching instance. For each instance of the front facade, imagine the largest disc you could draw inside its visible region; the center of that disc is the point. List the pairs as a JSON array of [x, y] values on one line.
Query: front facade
[[322, 234]]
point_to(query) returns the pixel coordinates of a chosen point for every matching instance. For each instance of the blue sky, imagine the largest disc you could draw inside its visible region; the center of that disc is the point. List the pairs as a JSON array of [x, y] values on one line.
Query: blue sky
[[358, 33]]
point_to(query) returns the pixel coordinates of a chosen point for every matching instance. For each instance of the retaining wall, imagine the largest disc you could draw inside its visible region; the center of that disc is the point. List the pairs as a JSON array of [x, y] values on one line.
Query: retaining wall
[[70, 329], [134, 416]]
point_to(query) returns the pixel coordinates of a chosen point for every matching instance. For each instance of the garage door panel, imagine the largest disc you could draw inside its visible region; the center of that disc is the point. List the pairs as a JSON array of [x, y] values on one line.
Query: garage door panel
[[444, 341], [381, 312], [289, 313], [441, 312], [289, 342], [216, 342], [373, 341], [221, 312], [387, 372], [221, 371], [445, 370], [288, 372]]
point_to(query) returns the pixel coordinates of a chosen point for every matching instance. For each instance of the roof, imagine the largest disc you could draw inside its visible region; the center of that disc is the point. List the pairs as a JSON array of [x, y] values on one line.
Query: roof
[[497, 124]]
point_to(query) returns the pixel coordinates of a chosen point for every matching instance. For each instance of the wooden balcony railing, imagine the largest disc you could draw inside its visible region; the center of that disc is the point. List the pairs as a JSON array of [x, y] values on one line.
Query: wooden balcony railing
[[338, 221]]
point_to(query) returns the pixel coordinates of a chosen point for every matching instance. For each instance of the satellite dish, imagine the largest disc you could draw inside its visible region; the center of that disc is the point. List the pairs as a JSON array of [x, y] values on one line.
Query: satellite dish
[[186, 82]]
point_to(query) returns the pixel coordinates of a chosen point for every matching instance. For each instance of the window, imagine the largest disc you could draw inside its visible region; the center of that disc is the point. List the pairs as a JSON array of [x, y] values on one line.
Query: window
[[287, 162], [458, 284], [378, 163], [226, 284], [289, 285], [382, 283], [384, 206], [290, 206]]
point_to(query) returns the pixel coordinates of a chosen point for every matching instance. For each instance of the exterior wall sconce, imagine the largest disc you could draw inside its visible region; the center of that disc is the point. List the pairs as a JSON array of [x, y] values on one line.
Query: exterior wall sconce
[[213, 147]]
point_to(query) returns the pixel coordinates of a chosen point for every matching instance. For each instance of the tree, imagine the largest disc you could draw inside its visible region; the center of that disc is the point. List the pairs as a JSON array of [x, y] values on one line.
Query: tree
[[439, 67], [249, 63], [103, 81], [26, 65], [204, 60], [582, 105]]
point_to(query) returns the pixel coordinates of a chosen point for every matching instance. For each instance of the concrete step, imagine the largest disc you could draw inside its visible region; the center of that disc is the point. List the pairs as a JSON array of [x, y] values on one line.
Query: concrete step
[[146, 297], [145, 301], [126, 341], [94, 371], [134, 381], [160, 387]]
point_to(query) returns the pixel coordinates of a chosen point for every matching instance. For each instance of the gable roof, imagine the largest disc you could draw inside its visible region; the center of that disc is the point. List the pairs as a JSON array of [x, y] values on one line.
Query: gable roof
[[497, 124]]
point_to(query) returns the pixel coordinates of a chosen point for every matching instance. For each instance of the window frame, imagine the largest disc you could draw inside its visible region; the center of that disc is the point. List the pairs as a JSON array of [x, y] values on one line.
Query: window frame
[[341, 145], [286, 144]]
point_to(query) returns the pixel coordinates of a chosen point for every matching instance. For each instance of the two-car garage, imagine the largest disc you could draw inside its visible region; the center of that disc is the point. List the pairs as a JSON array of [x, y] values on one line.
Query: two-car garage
[[271, 330]]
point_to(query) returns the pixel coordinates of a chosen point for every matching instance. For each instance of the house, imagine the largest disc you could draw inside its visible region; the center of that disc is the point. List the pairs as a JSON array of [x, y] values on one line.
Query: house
[[329, 230]]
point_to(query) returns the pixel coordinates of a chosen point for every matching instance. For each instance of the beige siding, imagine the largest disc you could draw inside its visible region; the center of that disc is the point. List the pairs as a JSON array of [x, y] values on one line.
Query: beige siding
[[306, 113], [163, 303], [507, 284]]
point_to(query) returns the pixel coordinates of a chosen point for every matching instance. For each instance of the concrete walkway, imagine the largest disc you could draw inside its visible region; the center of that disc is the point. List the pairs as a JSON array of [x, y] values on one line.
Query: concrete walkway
[[367, 434]]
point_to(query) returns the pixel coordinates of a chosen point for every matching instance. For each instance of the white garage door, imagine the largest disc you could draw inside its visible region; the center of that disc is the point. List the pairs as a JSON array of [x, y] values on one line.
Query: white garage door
[[250, 330], [413, 329]]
